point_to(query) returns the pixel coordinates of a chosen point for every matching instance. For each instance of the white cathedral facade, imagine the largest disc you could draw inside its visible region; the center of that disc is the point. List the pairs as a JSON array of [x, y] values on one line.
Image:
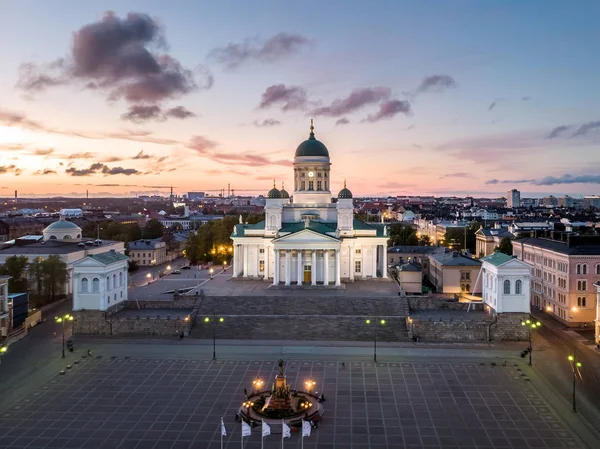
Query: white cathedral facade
[[309, 239]]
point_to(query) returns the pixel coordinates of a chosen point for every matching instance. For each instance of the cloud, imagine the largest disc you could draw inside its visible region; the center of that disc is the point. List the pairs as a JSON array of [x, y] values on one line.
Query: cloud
[[525, 98], [46, 171], [460, 174], [567, 179], [388, 109], [12, 147], [557, 131], [142, 155], [436, 83], [6, 169], [201, 144], [43, 152], [292, 97], [142, 113], [274, 49], [112, 159], [583, 129], [120, 56], [493, 105], [179, 112], [99, 168], [342, 121], [492, 181], [266, 122], [357, 99]]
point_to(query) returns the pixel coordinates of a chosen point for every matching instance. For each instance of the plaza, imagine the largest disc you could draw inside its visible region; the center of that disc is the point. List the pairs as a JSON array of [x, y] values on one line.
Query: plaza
[[152, 400]]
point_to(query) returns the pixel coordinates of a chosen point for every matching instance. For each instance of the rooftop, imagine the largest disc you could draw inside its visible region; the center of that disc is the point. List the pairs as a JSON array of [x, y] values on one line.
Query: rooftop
[[147, 244], [53, 247], [497, 258], [415, 249], [109, 257], [574, 245], [454, 259]]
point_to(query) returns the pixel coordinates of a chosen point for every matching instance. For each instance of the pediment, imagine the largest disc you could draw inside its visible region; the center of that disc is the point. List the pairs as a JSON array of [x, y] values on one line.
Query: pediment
[[88, 262], [306, 236]]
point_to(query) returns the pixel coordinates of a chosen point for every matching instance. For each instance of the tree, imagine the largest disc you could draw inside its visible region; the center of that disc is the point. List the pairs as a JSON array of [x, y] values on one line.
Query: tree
[[506, 246], [56, 276], [132, 265], [36, 273], [153, 229], [424, 240], [16, 268], [192, 250]]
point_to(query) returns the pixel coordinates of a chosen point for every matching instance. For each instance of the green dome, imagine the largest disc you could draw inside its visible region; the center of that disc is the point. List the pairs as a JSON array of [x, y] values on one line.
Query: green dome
[[312, 147], [283, 192], [62, 224], [345, 193], [274, 193]]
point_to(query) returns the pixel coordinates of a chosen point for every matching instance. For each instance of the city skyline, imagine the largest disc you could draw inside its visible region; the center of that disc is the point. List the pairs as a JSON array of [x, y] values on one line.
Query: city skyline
[[410, 99]]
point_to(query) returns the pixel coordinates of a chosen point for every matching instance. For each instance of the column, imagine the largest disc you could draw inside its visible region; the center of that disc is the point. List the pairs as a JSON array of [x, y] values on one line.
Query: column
[[266, 272], [236, 254], [383, 261], [275, 267], [245, 260], [374, 261], [313, 269], [326, 269], [338, 268], [363, 264], [300, 268], [288, 267], [351, 270]]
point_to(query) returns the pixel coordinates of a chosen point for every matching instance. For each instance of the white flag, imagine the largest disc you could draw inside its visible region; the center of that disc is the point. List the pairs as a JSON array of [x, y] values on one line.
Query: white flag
[[286, 431], [246, 430], [223, 431], [306, 427], [266, 429]]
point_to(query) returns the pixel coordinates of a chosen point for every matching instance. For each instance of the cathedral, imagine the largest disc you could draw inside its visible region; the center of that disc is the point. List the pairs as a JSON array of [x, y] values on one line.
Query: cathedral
[[307, 238]]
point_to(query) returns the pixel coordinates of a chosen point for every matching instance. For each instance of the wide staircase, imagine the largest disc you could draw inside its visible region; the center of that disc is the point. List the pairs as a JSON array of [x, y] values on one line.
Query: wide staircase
[[302, 318]]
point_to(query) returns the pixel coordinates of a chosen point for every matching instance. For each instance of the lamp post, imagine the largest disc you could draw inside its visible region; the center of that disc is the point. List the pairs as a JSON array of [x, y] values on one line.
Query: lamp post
[[575, 365], [531, 325], [309, 384], [257, 384], [211, 271], [214, 321], [62, 319], [381, 323], [3, 350]]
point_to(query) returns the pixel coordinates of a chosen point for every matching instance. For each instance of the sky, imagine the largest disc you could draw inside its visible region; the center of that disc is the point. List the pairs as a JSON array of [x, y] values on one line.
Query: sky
[[430, 97]]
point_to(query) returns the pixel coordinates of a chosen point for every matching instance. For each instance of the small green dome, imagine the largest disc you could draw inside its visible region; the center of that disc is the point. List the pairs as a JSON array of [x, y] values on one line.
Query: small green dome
[[283, 192], [274, 193], [345, 193], [312, 147]]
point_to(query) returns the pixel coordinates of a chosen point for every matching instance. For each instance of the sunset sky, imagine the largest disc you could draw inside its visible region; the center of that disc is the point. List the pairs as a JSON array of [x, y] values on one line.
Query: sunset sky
[[430, 97]]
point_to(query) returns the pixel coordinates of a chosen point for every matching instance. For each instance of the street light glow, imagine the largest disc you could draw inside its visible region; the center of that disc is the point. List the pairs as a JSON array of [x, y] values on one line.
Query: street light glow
[[3, 349], [382, 321], [571, 358], [206, 319], [148, 275], [368, 321], [221, 320]]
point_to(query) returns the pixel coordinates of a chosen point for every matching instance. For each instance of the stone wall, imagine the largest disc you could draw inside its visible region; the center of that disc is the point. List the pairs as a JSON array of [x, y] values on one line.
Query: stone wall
[[185, 302], [92, 322], [458, 327], [421, 303], [306, 327]]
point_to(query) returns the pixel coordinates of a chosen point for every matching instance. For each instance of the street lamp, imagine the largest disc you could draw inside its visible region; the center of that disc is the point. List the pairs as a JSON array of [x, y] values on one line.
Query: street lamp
[[381, 323], [257, 384], [575, 365], [62, 320], [211, 271], [3, 350], [224, 265], [531, 325], [208, 320], [310, 384]]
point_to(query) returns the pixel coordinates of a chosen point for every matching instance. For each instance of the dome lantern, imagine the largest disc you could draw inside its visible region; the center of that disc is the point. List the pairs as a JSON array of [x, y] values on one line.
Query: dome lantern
[[345, 193], [312, 146], [274, 193]]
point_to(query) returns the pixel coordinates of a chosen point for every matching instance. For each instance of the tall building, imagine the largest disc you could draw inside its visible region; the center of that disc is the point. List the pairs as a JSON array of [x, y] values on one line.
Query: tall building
[[563, 274], [513, 198], [310, 239]]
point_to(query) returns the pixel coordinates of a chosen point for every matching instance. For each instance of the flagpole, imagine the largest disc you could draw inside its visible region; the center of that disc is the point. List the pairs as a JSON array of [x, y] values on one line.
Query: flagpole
[[262, 438], [282, 423], [302, 426], [221, 432], [242, 446]]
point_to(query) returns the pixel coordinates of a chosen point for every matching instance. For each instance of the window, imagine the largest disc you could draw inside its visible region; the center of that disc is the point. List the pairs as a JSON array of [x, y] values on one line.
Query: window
[[302, 174], [518, 287], [114, 281], [108, 298], [578, 269], [120, 279], [465, 275], [582, 286], [303, 185], [84, 285], [358, 251], [121, 293], [357, 266], [319, 185], [108, 282], [581, 301], [584, 268], [319, 175], [261, 251], [261, 265], [598, 269], [507, 287], [311, 185], [326, 174], [95, 285]]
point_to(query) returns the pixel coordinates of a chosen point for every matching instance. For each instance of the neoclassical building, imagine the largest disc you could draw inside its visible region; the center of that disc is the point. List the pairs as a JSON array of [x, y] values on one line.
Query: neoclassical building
[[308, 239]]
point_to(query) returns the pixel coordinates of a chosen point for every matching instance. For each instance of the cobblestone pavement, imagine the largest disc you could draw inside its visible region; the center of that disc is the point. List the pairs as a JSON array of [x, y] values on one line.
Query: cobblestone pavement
[[177, 403]]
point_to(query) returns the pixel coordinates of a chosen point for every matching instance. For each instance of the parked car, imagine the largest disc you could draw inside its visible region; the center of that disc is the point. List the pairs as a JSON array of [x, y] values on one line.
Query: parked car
[[187, 267], [176, 272], [204, 266]]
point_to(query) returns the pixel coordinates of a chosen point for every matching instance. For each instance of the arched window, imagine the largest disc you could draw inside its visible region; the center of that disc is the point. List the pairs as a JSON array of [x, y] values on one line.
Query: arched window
[[67, 237], [95, 285], [107, 282], [84, 285], [78, 236], [120, 279], [462, 288], [468, 287], [52, 237], [578, 269], [598, 269], [584, 268], [518, 287], [114, 281], [507, 287]]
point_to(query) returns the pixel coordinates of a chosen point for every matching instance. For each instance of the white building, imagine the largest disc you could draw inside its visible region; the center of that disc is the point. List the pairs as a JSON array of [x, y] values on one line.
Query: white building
[[597, 321], [4, 315], [100, 281], [505, 283], [310, 239], [513, 198]]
